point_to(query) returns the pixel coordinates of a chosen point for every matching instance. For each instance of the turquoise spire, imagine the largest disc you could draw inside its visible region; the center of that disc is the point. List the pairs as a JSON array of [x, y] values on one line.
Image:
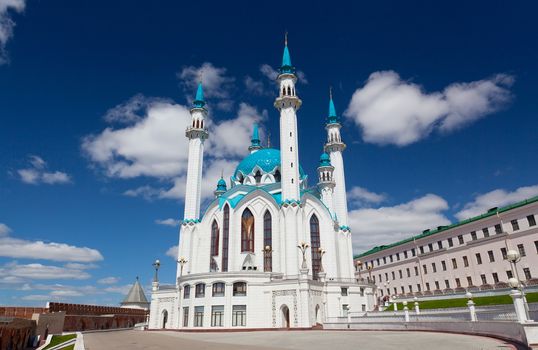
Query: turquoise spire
[[333, 118], [286, 60], [199, 101], [221, 185], [324, 160], [255, 143]]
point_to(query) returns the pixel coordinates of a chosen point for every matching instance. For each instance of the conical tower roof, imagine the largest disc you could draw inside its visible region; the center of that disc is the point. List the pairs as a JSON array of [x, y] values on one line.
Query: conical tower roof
[[136, 295]]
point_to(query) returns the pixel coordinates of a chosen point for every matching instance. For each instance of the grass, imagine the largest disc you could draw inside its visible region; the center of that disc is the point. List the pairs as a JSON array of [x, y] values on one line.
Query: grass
[[462, 302], [59, 339]]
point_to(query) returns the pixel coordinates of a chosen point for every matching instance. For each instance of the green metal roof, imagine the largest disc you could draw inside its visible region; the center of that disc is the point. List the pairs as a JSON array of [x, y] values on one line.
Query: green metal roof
[[426, 233]]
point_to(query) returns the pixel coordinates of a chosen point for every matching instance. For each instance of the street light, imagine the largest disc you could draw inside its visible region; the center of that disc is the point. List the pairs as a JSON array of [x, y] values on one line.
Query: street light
[[267, 251], [156, 265], [358, 263], [514, 257], [182, 261], [303, 246]]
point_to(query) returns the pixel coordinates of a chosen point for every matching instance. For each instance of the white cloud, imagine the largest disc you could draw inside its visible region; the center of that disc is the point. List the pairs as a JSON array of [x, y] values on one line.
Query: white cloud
[[359, 196], [172, 252], [80, 266], [4, 229], [7, 24], [495, 198], [36, 297], [254, 86], [167, 222], [372, 227], [390, 110], [66, 293], [133, 110], [37, 173], [119, 289], [108, 280], [42, 272]]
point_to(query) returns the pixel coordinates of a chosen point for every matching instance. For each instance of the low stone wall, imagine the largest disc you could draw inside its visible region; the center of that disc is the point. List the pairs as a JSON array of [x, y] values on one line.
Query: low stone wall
[[21, 312], [513, 331]]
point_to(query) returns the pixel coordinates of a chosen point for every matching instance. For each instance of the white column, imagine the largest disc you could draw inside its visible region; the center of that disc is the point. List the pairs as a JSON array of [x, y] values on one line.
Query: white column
[[519, 305], [340, 197]]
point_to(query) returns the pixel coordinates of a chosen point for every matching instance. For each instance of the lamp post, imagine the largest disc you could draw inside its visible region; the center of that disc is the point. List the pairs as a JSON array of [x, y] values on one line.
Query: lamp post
[[181, 261], [514, 257], [417, 308], [303, 246], [155, 284], [358, 263], [519, 303], [369, 268], [267, 251], [406, 311], [470, 305]]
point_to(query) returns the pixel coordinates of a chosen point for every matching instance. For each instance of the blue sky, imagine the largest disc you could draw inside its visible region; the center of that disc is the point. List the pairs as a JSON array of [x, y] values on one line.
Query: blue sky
[[437, 102]]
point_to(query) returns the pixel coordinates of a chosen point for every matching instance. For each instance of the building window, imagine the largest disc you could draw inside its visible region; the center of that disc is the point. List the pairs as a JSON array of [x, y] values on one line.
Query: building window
[[343, 291], [484, 280], [465, 262], [218, 289], [437, 285], [443, 264], [384, 260], [521, 249], [225, 237], [199, 291], [405, 254], [491, 256], [410, 289], [478, 258], [380, 280], [315, 244], [393, 275], [239, 289], [247, 231], [450, 242], [473, 236], [498, 229], [509, 274], [447, 284], [485, 231], [532, 220], [186, 291], [214, 250], [427, 286], [460, 239], [198, 316], [434, 268], [495, 277], [503, 253], [536, 246], [413, 252], [400, 273], [239, 315], [398, 256], [515, 225], [186, 316], [217, 316], [403, 289], [378, 262], [386, 276], [430, 247], [440, 244], [421, 249], [416, 270], [527, 273], [469, 281], [425, 269], [454, 263], [458, 283], [267, 242], [391, 259], [408, 272]]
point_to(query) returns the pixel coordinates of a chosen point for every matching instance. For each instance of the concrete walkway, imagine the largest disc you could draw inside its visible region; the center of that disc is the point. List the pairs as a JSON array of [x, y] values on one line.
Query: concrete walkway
[[293, 340]]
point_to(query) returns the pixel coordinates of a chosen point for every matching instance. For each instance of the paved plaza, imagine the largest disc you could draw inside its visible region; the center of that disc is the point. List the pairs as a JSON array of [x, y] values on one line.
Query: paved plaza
[[311, 340]]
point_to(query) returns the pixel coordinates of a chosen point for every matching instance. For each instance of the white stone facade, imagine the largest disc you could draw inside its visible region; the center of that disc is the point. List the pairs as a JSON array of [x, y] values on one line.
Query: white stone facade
[[470, 255], [240, 262]]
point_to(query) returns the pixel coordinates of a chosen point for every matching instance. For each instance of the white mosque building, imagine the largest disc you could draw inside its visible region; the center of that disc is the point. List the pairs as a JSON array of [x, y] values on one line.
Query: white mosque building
[[269, 252]]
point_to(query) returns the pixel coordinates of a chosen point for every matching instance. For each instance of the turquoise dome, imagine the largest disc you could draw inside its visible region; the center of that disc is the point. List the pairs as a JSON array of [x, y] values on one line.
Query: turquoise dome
[[324, 160], [221, 185], [268, 159]]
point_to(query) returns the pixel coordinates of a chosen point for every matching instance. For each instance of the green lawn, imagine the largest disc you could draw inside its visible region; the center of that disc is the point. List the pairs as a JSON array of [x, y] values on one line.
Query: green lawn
[[59, 339], [462, 302]]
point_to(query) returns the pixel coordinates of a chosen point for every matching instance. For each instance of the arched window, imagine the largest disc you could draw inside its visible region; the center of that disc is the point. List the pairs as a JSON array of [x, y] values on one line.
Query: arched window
[[267, 241], [315, 244], [218, 289], [277, 176], [186, 291], [214, 251], [247, 231], [239, 289], [258, 177], [199, 290], [289, 91], [202, 124], [225, 237]]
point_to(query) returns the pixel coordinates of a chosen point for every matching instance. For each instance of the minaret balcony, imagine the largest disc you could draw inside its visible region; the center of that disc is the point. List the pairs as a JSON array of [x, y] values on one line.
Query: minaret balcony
[[334, 146], [288, 101], [196, 133]]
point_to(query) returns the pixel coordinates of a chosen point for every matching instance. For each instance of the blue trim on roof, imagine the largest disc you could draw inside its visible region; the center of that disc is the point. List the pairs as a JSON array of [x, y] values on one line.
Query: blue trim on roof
[[267, 159]]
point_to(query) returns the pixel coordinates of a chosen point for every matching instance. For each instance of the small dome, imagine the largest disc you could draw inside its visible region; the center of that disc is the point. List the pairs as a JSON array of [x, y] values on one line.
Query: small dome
[[267, 159], [221, 185], [324, 160]]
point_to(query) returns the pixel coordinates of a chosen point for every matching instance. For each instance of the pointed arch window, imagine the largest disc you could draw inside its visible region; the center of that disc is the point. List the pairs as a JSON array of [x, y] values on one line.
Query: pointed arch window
[[247, 231], [225, 237], [315, 245], [267, 242], [277, 176], [258, 177], [214, 250], [289, 91]]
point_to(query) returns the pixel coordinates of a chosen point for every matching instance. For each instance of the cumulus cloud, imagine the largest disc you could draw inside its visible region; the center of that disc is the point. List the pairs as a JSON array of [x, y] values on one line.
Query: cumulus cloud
[[172, 252], [38, 173], [254, 86], [41, 272], [390, 110], [4, 229], [7, 7], [495, 198], [372, 227], [167, 222], [359, 196]]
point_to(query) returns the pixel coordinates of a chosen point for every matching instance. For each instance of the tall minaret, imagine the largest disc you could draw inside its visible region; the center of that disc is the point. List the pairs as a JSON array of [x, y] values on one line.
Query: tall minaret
[[255, 143], [288, 103], [326, 181], [334, 148], [197, 134]]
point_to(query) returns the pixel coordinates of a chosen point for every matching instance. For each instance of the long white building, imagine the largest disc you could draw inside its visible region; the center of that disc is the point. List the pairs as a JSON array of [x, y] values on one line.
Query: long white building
[[268, 251], [468, 255]]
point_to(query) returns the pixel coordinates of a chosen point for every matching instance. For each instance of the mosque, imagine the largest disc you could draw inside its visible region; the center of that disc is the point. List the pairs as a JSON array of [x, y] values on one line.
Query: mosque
[[269, 251]]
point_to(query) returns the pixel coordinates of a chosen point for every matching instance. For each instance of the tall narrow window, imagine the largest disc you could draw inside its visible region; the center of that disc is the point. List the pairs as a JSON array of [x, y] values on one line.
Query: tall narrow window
[[277, 176], [247, 231], [258, 177], [225, 237], [214, 251], [315, 244], [267, 242]]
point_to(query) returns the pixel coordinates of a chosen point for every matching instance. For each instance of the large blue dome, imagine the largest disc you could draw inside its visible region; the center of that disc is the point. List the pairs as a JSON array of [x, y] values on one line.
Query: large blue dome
[[268, 159]]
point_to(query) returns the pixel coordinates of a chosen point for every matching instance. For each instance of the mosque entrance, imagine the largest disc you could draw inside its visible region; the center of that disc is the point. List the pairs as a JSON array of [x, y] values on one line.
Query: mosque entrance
[[285, 317], [165, 318]]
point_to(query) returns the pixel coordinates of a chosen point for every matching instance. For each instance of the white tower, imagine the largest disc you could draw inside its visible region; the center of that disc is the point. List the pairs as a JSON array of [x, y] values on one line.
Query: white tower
[[288, 103], [326, 182], [197, 134]]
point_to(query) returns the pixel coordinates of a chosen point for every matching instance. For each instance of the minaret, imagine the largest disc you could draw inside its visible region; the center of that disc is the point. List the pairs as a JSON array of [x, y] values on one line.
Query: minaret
[[326, 182], [255, 143], [221, 188], [288, 103], [197, 134], [334, 148]]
